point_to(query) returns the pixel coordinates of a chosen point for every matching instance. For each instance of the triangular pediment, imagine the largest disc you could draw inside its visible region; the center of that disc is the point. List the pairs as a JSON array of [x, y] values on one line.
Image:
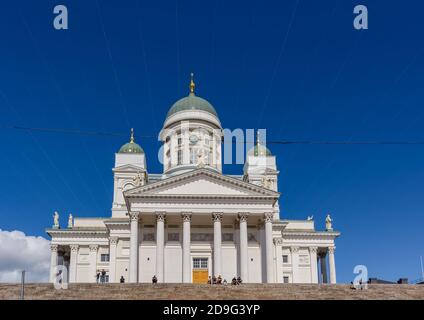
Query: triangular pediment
[[202, 182], [263, 171], [128, 168]]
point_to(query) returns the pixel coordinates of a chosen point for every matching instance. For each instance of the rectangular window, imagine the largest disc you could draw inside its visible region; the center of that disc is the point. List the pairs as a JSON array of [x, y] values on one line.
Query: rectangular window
[[193, 156], [180, 157], [251, 237], [202, 237], [285, 259], [228, 237], [200, 263], [104, 257], [173, 236], [149, 236], [180, 141], [285, 279]]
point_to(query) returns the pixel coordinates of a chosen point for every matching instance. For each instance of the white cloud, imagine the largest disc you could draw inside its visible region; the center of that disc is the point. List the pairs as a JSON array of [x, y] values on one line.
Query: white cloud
[[20, 252]]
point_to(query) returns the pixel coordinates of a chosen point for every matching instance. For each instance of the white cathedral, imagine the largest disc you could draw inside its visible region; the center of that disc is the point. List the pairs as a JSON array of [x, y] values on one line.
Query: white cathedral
[[192, 222]]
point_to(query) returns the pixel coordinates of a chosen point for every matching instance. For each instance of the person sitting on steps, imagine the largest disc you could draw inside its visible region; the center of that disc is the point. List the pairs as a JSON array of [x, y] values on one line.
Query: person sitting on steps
[[219, 280], [239, 280], [154, 279], [234, 281], [122, 280]]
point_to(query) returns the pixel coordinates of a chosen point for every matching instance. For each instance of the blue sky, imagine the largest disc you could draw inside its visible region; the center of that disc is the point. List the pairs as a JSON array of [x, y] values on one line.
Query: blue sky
[[297, 68]]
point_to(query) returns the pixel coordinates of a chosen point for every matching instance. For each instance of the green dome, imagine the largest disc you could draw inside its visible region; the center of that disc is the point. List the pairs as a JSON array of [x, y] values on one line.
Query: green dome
[[191, 102], [259, 150], [131, 147]]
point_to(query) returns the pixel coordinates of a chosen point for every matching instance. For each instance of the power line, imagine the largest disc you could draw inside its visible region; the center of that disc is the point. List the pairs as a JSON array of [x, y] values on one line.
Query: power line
[[276, 142]]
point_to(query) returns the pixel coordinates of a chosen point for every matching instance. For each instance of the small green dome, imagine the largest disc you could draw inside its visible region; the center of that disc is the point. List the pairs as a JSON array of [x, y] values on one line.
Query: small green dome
[[131, 147], [259, 150], [192, 102]]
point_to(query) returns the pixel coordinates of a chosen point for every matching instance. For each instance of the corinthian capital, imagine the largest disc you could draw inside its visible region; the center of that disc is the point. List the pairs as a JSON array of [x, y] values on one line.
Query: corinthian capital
[[74, 247], [313, 249], [54, 247], [186, 216], [243, 216], [134, 216], [269, 216], [94, 247], [217, 216], [160, 216], [331, 250], [294, 249], [278, 241]]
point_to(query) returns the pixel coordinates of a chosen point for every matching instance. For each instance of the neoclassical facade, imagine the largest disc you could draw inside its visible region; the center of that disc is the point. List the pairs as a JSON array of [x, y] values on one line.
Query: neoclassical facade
[[192, 221]]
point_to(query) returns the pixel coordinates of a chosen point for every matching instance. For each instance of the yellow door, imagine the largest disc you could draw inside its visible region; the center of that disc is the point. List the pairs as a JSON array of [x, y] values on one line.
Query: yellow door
[[200, 270], [200, 276]]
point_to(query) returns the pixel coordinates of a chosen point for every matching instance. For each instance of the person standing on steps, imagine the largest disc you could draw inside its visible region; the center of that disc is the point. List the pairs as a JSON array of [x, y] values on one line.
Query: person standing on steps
[[154, 279], [97, 277], [103, 277]]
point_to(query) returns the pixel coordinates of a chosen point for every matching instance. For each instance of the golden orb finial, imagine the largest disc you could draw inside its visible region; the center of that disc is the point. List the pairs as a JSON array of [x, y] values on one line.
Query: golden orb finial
[[192, 84], [132, 135]]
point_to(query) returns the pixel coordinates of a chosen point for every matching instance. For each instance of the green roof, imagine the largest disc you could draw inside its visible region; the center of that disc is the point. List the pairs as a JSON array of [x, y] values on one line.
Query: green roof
[[260, 150], [131, 147], [192, 102]]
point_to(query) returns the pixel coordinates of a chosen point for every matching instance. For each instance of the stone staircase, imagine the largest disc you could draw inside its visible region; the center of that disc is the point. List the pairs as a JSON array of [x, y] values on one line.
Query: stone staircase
[[208, 292]]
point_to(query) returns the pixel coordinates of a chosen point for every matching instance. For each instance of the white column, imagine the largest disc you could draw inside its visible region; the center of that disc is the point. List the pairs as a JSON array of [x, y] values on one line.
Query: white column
[[295, 264], [93, 262], [217, 243], [113, 241], [314, 264], [73, 263], [278, 242], [134, 217], [53, 262], [160, 244], [244, 273], [323, 268], [332, 264], [186, 247], [269, 247]]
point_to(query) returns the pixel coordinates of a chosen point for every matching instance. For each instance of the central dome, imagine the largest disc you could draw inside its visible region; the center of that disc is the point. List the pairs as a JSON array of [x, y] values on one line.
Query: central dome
[[191, 102]]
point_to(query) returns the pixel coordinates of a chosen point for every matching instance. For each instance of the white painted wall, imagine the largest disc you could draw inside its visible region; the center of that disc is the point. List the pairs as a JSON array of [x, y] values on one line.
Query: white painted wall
[[173, 264]]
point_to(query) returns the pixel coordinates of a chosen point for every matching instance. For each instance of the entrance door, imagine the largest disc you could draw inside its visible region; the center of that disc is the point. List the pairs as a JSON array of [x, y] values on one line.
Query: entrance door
[[200, 270]]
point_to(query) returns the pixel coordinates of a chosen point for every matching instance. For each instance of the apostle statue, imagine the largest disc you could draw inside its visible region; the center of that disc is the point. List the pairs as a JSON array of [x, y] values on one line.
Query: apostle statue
[[201, 161], [328, 223], [56, 220], [70, 221]]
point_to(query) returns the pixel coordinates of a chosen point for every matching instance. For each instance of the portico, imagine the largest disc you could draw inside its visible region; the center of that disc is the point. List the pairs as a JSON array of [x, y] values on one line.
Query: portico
[[209, 238]]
